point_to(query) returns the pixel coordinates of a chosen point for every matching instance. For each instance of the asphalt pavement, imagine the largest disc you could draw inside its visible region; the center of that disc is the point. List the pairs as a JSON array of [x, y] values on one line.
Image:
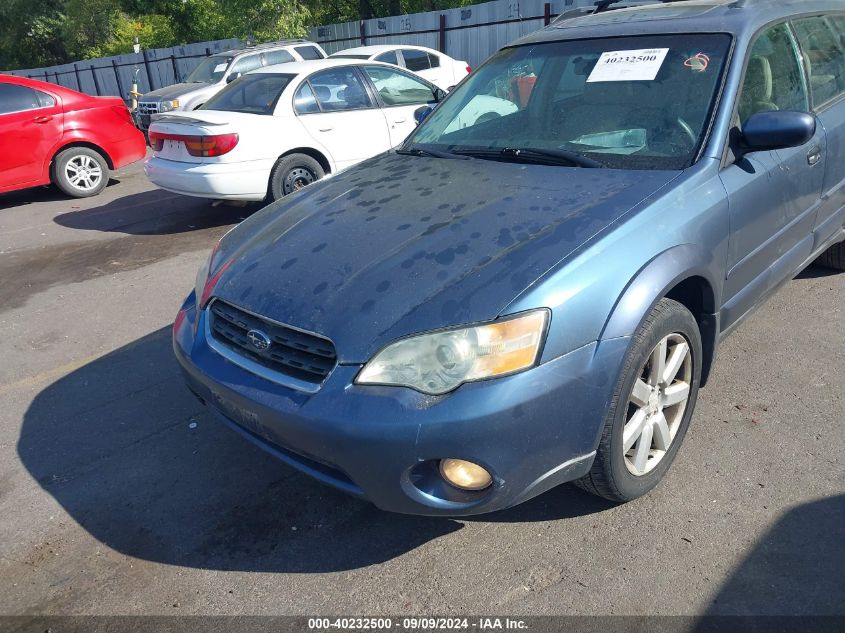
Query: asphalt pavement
[[119, 494]]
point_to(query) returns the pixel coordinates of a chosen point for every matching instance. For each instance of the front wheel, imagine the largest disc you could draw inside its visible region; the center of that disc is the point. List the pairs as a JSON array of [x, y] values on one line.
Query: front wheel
[[292, 173], [80, 172], [651, 407]]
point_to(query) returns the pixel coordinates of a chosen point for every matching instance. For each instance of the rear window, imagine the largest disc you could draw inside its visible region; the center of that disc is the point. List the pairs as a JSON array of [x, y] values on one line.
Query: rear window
[[309, 52], [255, 94]]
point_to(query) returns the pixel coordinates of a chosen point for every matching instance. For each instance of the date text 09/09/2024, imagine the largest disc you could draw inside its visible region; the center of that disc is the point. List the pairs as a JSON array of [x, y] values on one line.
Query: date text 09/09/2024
[[415, 624]]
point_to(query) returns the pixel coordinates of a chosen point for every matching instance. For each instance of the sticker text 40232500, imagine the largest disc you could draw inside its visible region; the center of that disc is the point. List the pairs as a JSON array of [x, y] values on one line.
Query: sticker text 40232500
[[636, 65]]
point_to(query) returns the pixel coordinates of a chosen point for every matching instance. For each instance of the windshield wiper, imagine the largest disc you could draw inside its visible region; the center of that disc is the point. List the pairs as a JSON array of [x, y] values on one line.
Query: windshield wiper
[[550, 156], [416, 150]]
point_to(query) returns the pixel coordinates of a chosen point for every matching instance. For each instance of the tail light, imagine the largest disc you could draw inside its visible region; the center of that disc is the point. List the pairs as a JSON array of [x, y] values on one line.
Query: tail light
[[197, 145], [156, 141], [469, 69]]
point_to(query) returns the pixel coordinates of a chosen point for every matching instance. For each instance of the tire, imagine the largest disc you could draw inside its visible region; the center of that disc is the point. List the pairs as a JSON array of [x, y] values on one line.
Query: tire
[[834, 257], [80, 172], [291, 173], [613, 475]]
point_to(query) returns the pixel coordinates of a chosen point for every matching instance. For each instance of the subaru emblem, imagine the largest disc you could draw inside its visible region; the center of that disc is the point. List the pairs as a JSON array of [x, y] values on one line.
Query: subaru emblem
[[259, 340]]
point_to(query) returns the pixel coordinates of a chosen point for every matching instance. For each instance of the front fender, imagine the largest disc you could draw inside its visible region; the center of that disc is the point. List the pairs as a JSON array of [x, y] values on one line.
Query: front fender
[[655, 281]]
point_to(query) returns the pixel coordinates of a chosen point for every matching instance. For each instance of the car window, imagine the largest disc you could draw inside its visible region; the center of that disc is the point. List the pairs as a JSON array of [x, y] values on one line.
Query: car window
[[641, 102], [45, 100], [773, 77], [397, 88], [210, 70], [824, 53], [339, 89], [15, 98], [388, 58], [308, 52], [415, 60], [246, 64], [433, 60], [255, 94], [304, 101], [280, 56]]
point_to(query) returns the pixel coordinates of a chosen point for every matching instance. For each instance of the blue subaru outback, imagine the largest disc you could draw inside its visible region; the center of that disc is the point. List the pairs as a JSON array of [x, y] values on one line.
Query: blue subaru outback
[[532, 288]]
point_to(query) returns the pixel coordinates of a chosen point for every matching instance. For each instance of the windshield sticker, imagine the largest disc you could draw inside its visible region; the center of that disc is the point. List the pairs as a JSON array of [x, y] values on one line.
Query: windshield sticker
[[698, 63], [219, 68], [638, 65]]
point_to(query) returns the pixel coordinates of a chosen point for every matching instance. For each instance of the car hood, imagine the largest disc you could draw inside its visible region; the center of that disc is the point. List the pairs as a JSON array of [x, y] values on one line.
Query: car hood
[[402, 244], [173, 92]]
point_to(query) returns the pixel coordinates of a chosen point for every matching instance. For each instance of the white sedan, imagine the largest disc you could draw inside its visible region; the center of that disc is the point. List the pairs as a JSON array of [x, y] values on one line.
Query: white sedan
[[282, 127], [438, 68]]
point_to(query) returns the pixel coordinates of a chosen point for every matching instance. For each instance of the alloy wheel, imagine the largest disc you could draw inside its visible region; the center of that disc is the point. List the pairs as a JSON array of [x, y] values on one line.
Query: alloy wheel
[[83, 172], [657, 404]]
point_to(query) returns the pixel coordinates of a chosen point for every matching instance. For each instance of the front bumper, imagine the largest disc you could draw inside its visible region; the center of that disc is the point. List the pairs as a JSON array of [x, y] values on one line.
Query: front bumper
[[246, 180], [532, 430]]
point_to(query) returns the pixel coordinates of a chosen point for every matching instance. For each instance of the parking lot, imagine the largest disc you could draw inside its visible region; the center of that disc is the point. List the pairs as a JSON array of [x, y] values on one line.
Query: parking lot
[[120, 495]]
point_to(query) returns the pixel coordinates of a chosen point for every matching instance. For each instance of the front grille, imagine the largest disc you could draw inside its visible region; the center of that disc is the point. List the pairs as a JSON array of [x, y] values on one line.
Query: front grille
[[291, 352], [148, 107]]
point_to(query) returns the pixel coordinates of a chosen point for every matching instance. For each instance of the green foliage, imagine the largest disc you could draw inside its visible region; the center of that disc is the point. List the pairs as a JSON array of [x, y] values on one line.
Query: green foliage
[[35, 33]]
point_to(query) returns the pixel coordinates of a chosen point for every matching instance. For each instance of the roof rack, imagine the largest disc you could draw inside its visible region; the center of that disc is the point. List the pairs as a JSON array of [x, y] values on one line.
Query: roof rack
[[263, 46], [602, 6]]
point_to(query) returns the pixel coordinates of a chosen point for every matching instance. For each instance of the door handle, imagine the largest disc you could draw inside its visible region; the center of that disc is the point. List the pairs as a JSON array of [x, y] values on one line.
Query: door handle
[[814, 156], [399, 121], [326, 129], [42, 119]]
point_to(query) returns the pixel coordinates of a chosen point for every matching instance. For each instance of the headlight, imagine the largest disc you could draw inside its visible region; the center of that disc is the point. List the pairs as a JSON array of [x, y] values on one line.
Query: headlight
[[439, 362], [167, 106]]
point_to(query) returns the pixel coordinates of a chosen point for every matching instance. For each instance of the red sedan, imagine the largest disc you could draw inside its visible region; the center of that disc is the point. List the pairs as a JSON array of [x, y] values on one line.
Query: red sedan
[[51, 134]]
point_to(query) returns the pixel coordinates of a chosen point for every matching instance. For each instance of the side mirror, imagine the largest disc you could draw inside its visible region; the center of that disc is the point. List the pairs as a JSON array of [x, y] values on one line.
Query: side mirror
[[439, 95], [232, 77], [422, 112], [777, 130]]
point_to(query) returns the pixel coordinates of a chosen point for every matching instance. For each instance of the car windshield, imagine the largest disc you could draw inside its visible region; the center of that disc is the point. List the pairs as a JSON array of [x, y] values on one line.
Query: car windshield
[[210, 70], [640, 102], [256, 94]]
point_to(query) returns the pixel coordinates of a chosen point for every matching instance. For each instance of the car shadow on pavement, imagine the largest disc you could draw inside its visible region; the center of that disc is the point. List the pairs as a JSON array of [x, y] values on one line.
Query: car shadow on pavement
[[795, 569], [132, 457], [155, 212], [817, 272], [34, 195]]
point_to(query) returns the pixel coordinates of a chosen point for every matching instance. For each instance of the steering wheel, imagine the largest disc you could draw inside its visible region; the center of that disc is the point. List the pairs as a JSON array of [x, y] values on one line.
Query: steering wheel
[[687, 130]]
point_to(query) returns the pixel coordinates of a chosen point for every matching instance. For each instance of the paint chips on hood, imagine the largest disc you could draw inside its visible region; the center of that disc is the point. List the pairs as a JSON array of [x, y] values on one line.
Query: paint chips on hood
[[637, 65]]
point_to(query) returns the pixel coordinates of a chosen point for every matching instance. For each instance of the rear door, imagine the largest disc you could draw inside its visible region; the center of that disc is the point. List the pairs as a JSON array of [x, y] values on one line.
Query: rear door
[[338, 112], [822, 40], [400, 94], [30, 125], [774, 195]]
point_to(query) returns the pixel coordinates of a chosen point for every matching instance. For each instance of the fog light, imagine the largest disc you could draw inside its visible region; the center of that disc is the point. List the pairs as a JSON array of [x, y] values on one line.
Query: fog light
[[464, 475]]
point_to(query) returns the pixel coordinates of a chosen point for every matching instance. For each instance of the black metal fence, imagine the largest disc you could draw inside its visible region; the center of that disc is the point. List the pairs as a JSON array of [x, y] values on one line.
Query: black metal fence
[[113, 76]]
